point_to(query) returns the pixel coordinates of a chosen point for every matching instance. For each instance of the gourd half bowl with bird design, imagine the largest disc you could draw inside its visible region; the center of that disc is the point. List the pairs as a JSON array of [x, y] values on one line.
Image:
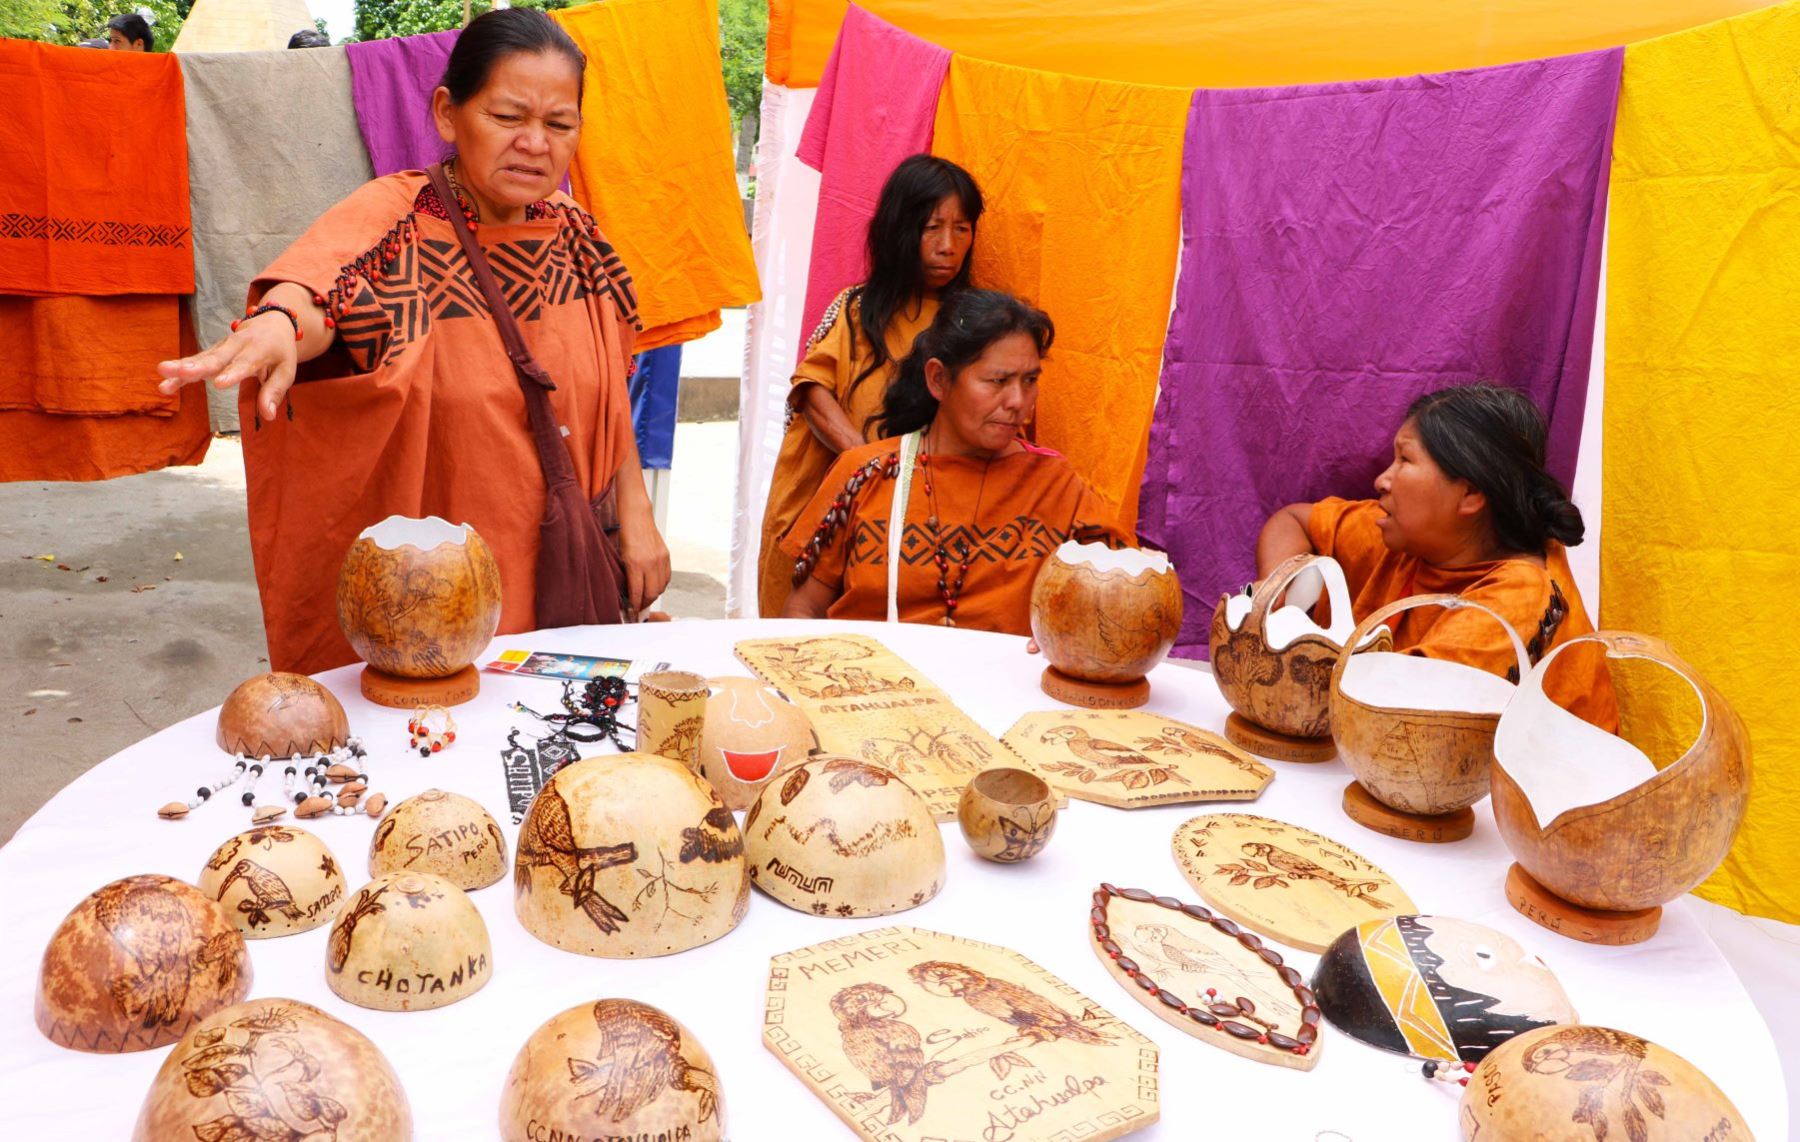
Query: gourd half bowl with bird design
[[614, 1068]]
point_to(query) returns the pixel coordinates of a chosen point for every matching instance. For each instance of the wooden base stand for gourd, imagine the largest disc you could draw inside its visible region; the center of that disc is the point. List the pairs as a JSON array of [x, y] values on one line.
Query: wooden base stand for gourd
[[1247, 735], [1589, 925], [1360, 806], [401, 693], [1095, 695]]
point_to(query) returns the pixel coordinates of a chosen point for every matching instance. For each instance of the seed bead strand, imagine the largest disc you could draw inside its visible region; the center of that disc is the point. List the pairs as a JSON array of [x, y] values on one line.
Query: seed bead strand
[[256, 772], [881, 467], [1234, 1019], [175, 810]]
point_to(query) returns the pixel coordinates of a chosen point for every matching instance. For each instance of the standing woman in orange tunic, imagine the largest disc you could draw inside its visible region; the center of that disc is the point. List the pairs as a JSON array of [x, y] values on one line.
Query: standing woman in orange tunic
[[1465, 508], [373, 379], [920, 244]]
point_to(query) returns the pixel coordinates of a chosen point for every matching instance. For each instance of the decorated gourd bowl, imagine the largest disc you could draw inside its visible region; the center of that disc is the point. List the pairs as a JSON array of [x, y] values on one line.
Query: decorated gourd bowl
[[1273, 664], [838, 836], [419, 598], [1418, 733], [1105, 615]]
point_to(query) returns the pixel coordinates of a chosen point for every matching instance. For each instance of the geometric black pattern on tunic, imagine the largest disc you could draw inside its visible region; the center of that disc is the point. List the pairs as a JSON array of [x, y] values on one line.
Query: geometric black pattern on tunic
[[429, 280], [1021, 539], [90, 230]]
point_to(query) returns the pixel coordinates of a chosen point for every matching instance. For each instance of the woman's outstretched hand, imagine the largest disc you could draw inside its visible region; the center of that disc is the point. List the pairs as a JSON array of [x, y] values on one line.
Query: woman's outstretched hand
[[261, 351]]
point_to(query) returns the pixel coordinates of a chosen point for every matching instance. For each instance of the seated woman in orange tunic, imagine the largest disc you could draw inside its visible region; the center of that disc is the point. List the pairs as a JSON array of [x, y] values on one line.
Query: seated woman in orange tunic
[[982, 507], [1465, 508]]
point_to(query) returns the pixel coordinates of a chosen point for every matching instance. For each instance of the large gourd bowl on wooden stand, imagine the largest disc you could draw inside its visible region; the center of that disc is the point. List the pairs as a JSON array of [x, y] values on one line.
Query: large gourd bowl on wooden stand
[[419, 600], [1417, 733], [1104, 619], [1602, 838], [1273, 664]]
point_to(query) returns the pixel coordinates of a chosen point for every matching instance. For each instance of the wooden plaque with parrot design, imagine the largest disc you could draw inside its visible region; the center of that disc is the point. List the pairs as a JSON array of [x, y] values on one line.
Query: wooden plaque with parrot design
[[1129, 759], [915, 1036], [866, 702], [1282, 881]]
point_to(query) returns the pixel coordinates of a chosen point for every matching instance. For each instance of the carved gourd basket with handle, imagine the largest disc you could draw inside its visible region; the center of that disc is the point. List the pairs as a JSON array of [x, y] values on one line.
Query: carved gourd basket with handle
[[1283, 688], [1419, 757], [1597, 844]]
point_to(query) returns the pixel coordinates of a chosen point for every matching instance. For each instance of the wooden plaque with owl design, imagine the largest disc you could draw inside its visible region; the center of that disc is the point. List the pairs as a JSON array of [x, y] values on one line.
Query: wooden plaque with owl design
[[1129, 759], [866, 702], [910, 1035], [1282, 881]]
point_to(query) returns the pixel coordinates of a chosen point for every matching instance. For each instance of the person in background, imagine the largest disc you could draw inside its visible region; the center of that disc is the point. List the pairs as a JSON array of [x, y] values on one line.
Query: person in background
[[130, 32], [983, 507], [309, 38], [921, 240], [1465, 508]]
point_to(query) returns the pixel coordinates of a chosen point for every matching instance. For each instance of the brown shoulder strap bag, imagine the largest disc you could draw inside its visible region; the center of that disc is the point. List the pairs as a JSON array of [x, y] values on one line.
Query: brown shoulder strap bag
[[580, 578]]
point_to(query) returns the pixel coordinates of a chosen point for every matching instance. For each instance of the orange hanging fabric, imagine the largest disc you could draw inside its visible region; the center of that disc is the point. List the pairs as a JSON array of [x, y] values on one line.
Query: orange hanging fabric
[[96, 252], [654, 165], [1239, 43], [1082, 181], [95, 198]]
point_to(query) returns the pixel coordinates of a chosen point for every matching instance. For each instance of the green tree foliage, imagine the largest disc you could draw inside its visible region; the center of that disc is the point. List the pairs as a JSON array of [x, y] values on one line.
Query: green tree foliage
[[380, 19], [743, 33], [71, 21], [30, 19]]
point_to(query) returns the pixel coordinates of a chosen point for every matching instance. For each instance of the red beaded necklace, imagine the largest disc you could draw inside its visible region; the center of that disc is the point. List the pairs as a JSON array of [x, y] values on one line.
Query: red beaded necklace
[[950, 592]]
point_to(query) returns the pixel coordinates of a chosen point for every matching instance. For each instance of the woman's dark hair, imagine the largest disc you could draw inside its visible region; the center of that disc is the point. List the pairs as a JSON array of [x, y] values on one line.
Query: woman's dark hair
[[896, 273], [309, 38], [134, 27], [966, 324], [492, 36], [1493, 437]]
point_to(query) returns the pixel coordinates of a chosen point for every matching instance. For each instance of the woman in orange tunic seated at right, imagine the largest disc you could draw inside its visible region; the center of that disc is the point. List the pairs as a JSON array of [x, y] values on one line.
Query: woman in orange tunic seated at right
[[1465, 508], [983, 508]]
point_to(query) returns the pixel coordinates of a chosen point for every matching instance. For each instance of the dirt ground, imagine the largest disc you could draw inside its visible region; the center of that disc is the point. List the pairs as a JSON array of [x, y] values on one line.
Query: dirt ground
[[130, 604]]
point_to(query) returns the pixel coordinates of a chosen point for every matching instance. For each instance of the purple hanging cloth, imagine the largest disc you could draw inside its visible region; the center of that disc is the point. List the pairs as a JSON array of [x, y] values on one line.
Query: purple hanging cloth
[[1349, 247], [876, 106], [391, 82]]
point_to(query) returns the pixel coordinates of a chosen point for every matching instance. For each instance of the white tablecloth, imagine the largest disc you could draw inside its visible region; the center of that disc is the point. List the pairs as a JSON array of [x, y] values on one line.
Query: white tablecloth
[[1676, 989]]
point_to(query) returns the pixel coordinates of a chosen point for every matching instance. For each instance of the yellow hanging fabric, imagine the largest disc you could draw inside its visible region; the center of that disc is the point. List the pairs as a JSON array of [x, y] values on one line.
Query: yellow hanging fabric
[[1240, 43], [1082, 180], [1701, 483], [654, 166]]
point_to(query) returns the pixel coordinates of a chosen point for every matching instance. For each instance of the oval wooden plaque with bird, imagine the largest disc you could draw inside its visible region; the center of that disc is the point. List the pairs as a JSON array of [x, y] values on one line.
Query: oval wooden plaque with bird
[[1283, 881], [910, 1035], [1129, 759], [1205, 975]]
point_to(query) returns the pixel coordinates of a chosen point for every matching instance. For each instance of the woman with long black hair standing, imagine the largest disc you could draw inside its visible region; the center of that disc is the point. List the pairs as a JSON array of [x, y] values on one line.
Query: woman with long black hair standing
[[920, 242]]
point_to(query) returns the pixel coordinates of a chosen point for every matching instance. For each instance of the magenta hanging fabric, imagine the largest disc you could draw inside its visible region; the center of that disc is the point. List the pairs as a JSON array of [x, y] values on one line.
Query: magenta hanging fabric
[[1347, 248], [391, 82], [876, 104]]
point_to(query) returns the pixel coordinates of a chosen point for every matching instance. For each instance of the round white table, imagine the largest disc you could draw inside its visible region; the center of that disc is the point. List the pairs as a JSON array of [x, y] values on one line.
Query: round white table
[[1676, 989]]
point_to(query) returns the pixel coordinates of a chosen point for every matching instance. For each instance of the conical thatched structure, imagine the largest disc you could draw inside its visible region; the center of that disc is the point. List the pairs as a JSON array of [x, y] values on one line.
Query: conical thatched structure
[[242, 25]]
